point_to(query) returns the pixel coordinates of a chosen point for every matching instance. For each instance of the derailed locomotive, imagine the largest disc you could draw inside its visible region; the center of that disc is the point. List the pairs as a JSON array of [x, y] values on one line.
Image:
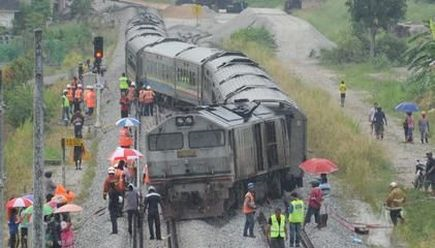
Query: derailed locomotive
[[246, 128]]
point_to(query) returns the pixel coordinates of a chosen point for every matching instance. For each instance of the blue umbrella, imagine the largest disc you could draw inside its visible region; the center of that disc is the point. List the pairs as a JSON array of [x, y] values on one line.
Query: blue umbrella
[[127, 122], [407, 107]]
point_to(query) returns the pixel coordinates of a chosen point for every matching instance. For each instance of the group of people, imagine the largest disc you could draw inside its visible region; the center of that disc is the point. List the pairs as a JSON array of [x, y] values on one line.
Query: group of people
[[295, 214], [141, 98], [73, 98], [423, 126], [58, 227]]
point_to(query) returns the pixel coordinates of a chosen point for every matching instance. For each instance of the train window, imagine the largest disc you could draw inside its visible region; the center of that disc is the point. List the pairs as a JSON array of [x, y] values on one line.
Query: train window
[[164, 142], [202, 139], [271, 145]]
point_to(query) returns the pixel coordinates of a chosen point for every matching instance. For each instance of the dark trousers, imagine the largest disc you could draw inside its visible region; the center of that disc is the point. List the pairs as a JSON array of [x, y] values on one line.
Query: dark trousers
[[13, 241], [249, 225], [24, 234], [124, 113], [90, 111], [148, 109], [310, 212], [154, 217], [277, 243], [395, 215], [130, 215], [295, 232], [76, 106], [113, 218], [78, 131], [342, 97]]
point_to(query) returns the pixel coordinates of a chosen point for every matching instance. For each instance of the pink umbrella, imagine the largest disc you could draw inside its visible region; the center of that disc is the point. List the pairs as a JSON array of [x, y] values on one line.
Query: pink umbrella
[[19, 202], [125, 154], [69, 208]]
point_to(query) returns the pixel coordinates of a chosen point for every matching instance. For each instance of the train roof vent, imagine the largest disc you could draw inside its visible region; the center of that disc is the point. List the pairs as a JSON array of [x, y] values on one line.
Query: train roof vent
[[244, 109]]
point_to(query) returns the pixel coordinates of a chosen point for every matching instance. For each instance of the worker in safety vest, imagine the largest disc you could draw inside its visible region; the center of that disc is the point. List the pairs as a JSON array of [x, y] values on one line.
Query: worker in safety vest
[[90, 100], [70, 96], [65, 106], [249, 211], [115, 178], [342, 88], [123, 83], [276, 229], [141, 101], [131, 96], [74, 83], [125, 139], [148, 100], [296, 210], [78, 97]]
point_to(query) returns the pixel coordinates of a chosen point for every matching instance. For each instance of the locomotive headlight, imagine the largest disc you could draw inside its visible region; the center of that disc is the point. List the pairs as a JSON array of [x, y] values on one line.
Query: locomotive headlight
[[179, 121], [184, 121], [188, 121]]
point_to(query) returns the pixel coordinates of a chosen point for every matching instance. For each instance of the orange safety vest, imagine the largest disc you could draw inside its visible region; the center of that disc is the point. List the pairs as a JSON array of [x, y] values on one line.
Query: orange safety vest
[[70, 95], [78, 94], [246, 208], [148, 96], [141, 95], [91, 99], [124, 138]]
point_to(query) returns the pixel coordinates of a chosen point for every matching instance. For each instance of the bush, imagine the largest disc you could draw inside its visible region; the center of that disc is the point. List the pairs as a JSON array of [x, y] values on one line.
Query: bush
[[260, 36], [349, 49], [392, 47]]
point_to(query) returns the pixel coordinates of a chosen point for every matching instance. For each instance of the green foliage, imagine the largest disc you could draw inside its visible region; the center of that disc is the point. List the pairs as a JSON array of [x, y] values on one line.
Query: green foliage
[[32, 16], [349, 49], [265, 4], [10, 51], [81, 8], [18, 160], [392, 47], [261, 36]]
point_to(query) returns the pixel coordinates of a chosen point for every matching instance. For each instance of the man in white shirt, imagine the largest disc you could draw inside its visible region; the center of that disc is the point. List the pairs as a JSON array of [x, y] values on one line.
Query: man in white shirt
[[372, 115]]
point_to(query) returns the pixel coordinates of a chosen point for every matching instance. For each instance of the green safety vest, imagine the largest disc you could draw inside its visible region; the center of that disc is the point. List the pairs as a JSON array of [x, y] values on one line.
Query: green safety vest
[[65, 101], [297, 216], [277, 229], [123, 84]]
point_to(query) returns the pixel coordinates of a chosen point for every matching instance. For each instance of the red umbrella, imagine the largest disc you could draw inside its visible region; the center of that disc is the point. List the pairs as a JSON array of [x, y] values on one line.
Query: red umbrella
[[125, 154], [318, 166], [19, 202]]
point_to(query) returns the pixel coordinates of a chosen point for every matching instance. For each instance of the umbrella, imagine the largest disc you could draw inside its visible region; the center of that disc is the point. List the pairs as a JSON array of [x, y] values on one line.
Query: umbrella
[[318, 166], [125, 154], [19, 202], [46, 210], [69, 208], [407, 107], [28, 196], [127, 122]]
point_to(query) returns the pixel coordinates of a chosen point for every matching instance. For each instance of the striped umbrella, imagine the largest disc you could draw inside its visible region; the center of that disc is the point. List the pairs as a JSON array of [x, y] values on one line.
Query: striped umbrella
[[125, 154], [127, 122], [19, 202]]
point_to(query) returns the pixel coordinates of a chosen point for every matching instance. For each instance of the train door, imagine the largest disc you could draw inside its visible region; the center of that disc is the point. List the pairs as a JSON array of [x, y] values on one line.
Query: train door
[[271, 146], [258, 147]]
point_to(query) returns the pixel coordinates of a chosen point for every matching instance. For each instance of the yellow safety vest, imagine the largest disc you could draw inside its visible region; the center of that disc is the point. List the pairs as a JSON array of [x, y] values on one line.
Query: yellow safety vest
[[65, 100], [277, 229], [297, 216], [123, 85], [342, 88]]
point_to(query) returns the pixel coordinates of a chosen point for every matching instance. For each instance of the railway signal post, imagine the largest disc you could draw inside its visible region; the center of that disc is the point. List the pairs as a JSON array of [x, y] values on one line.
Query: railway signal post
[[98, 58]]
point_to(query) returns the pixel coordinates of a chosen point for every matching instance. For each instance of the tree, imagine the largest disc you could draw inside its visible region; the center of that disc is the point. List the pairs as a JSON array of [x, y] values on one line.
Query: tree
[[369, 16], [81, 8]]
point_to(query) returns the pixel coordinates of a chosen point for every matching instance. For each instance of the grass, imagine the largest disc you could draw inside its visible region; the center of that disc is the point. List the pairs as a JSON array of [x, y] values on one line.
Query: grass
[[419, 11], [420, 228], [358, 156], [266, 3]]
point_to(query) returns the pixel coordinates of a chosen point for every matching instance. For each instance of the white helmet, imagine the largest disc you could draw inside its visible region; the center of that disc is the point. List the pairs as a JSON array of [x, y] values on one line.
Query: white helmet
[[151, 188], [68, 85], [80, 85], [148, 87], [393, 184], [65, 91], [111, 170], [133, 83]]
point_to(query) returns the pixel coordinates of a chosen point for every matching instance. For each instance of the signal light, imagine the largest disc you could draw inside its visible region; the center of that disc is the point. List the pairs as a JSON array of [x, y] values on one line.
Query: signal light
[[98, 49]]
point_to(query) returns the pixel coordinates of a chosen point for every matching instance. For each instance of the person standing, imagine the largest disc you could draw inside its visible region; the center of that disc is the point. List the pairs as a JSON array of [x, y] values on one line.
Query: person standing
[[70, 96], [49, 185], [148, 100], [394, 202], [78, 120], [371, 116], [423, 126], [65, 107], [296, 217], [141, 100], [123, 84], [249, 211], [113, 207], [90, 100], [379, 121], [410, 127], [314, 203], [78, 97], [124, 105], [131, 96], [152, 201], [125, 139], [67, 235], [430, 173], [78, 154], [277, 229], [342, 88], [131, 205], [13, 223]]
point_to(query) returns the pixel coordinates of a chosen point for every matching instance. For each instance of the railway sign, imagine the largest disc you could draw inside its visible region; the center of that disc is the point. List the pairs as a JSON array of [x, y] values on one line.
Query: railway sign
[[71, 142]]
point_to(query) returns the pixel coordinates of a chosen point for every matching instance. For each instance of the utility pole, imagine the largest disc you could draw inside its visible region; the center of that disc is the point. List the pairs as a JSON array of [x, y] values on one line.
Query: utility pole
[[2, 177], [38, 146]]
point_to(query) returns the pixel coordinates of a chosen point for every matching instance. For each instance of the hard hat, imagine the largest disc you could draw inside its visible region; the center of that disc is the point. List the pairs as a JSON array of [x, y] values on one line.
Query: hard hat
[[80, 85], [133, 84], [393, 184], [65, 91], [68, 85], [251, 185], [111, 170], [423, 112], [148, 87], [151, 188]]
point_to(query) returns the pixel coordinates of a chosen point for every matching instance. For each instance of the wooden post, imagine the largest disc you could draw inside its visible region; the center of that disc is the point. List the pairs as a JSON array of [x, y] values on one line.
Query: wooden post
[[38, 146]]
